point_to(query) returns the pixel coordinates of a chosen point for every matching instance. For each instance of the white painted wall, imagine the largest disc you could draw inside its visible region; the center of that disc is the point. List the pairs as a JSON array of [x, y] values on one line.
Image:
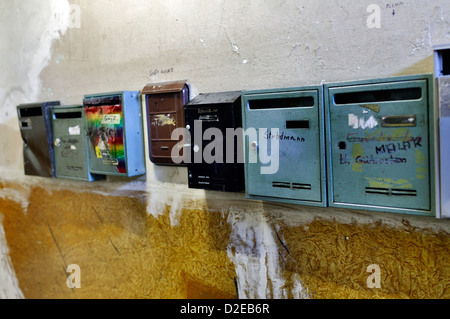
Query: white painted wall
[[50, 50]]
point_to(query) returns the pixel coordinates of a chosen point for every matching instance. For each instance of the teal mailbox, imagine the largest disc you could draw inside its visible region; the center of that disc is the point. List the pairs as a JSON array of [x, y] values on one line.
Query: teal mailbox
[[284, 145], [70, 146], [115, 133], [380, 140]]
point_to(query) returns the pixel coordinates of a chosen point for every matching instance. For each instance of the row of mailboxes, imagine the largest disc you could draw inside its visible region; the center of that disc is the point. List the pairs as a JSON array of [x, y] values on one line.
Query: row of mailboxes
[[360, 144], [104, 136]]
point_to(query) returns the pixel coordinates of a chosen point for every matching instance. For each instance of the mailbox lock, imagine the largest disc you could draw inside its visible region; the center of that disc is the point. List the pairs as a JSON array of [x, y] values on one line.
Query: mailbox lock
[[57, 142], [254, 145], [342, 145]]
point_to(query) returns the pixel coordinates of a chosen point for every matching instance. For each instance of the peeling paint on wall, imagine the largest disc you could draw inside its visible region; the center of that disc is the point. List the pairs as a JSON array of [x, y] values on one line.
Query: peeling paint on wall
[[9, 286], [254, 252], [28, 30], [26, 51]]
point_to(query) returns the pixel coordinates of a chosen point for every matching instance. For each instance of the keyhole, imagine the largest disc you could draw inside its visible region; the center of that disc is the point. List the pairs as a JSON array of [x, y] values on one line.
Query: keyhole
[[342, 145]]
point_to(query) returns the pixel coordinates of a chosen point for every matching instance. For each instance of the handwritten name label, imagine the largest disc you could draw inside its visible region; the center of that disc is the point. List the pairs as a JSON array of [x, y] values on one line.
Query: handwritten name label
[[373, 160], [382, 137], [155, 72], [111, 119], [394, 147], [394, 5], [283, 137], [359, 122]]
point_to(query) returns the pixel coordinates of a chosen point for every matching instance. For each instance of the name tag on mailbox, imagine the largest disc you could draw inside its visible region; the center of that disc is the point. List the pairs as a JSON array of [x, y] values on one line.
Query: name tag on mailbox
[[115, 133], [285, 125], [381, 144]]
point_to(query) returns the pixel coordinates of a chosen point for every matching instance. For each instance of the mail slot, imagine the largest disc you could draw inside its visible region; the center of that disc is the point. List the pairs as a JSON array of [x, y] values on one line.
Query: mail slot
[[380, 139], [297, 115], [36, 131], [70, 144], [218, 114], [165, 113], [115, 133]]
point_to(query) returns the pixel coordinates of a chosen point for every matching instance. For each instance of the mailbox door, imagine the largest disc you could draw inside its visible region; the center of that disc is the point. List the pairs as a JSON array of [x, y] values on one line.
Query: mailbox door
[[105, 129], [36, 132], [444, 95], [213, 176], [217, 111], [379, 145], [445, 167], [165, 114], [70, 147], [297, 115]]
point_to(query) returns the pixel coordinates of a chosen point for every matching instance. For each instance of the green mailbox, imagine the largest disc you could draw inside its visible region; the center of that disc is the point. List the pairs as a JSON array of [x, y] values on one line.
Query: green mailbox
[[380, 140], [284, 145], [70, 144]]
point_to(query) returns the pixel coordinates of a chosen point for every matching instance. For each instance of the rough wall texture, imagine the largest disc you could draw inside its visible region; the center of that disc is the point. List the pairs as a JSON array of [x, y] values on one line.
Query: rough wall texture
[[239, 251], [152, 237]]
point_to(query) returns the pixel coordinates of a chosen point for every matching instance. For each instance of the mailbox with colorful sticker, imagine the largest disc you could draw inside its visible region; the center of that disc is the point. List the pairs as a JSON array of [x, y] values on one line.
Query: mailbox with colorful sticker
[[36, 130], [70, 145], [380, 139], [288, 125], [115, 133], [165, 113]]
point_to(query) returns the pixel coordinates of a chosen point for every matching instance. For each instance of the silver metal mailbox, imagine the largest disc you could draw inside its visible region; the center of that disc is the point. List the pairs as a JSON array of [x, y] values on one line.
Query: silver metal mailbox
[[70, 144]]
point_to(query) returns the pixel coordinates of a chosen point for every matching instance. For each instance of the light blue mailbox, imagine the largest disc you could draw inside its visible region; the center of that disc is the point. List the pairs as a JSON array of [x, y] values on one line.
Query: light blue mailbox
[[287, 127], [380, 139], [114, 125]]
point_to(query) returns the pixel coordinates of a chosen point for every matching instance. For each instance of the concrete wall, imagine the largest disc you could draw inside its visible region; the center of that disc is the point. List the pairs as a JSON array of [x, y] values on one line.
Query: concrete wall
[[203, 244]]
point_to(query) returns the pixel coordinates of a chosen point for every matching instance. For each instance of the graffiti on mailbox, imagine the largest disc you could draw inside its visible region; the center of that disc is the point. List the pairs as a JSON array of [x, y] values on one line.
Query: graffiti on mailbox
[[105, 130]]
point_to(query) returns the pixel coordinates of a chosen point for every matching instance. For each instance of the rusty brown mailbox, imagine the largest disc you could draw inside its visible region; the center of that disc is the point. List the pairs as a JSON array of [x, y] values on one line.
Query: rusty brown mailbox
[[165, 113]]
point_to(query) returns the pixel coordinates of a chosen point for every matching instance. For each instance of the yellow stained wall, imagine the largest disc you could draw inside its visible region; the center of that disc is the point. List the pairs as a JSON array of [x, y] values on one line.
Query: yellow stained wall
[[126, 242], [125, 253]]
